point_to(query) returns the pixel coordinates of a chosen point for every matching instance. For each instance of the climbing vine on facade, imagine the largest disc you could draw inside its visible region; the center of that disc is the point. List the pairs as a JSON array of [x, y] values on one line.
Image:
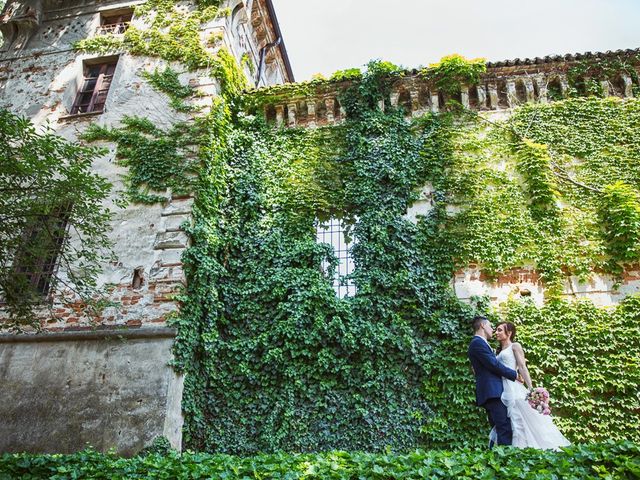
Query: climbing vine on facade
[[274, 360], [277, 361]]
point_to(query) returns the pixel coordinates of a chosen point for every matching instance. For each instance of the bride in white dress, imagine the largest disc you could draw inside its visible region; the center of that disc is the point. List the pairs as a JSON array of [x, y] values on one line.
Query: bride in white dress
[[530, 428]]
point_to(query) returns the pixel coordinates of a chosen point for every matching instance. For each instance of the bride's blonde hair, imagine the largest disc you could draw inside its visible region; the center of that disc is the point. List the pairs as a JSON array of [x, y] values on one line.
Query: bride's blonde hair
[[510, 328]]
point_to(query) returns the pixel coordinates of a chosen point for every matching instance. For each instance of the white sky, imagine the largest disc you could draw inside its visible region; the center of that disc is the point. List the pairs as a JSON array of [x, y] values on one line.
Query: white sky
[[323, 36]]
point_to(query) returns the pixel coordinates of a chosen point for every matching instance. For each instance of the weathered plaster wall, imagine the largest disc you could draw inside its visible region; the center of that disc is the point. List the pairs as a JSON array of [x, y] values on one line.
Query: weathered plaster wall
[[40, 81], [147, 238], [63, 392]]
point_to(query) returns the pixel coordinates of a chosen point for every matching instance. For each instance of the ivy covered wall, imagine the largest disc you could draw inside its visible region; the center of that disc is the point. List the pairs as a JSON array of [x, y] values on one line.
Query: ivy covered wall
[[275, 360]]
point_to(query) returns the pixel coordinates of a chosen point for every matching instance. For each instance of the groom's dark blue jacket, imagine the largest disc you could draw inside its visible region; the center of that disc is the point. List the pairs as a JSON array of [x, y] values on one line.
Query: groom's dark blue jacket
[[488, 370]]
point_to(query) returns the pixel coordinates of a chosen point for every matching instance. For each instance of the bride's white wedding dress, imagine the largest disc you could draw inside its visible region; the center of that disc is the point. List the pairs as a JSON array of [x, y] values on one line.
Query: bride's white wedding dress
[[530, 428]]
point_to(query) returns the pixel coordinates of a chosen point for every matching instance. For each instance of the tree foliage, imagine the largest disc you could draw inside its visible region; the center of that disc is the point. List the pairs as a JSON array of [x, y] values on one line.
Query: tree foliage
[[48, 192]]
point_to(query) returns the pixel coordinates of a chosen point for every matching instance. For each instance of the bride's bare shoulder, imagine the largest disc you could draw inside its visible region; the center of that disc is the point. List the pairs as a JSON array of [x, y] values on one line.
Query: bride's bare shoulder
[[516, 346]]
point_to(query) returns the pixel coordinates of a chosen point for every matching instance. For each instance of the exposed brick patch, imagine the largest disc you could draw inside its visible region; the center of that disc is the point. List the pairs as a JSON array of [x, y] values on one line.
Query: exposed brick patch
[[513, 276], [150, 305]]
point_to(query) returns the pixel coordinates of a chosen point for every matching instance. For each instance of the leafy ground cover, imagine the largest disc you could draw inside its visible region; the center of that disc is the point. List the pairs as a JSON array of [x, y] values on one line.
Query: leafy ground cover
[[601, 461]]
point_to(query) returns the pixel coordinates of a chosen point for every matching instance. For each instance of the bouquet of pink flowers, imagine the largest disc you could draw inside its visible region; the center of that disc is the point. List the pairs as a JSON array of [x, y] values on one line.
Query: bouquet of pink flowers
[[538, 398]]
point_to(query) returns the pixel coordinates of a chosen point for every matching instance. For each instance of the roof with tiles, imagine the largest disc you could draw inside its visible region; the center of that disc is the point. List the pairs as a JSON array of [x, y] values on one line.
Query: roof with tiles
[[569, 57]]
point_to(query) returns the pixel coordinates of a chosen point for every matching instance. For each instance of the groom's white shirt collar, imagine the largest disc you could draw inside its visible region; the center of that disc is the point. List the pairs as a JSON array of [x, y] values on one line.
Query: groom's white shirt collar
[[486, 341]]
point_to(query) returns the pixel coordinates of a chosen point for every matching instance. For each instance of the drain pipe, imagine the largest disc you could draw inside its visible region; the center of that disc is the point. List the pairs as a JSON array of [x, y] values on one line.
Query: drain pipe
[[263, 54]]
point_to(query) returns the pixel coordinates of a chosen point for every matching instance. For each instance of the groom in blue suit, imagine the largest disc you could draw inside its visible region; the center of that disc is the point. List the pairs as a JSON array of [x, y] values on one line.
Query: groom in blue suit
[[489, 372]]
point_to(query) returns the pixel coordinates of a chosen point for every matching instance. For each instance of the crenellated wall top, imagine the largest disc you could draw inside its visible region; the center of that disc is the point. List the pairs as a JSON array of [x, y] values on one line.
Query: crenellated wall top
[[502, 86]]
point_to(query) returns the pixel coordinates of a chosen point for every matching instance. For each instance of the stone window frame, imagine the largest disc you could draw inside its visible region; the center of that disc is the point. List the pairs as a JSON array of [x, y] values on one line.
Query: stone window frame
[[97, 77]]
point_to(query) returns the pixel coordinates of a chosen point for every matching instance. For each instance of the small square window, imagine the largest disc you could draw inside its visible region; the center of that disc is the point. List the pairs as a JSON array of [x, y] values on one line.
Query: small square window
[[333, 232], [95, 86], [114, 22]]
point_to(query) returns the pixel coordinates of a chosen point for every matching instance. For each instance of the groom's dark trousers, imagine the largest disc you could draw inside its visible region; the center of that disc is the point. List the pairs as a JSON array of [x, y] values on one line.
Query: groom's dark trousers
[[489, 372]]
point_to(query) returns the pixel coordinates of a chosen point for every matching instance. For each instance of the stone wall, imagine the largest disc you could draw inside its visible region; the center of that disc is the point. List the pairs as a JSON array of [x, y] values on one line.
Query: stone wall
[[63, 392], [39, 78], [146, 238]]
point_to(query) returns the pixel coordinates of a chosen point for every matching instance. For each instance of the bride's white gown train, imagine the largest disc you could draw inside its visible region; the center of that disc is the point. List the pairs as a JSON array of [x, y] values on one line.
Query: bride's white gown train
[[530, 428]]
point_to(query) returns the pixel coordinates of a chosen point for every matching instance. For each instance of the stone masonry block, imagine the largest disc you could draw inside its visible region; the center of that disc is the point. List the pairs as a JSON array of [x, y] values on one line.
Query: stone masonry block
[[170, 257], [166, 240], [181, 206], [172, 222]]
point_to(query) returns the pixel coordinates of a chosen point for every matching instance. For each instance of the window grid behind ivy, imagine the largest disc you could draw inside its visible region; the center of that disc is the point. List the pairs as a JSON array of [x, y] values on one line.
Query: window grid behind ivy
[[42, 243], [333, 233]]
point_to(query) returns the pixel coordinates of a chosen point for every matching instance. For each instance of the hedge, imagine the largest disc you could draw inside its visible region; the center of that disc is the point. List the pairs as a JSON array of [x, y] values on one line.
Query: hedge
[[596, 461]]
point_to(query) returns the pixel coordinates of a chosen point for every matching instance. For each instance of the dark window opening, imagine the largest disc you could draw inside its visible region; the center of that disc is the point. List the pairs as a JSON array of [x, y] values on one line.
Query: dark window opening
[[138, 278], [95, 87], [321, 112], [270, 113], [303, 111], [336, 109], [115, 23], [474, 98], [521, 91], [536, 90], [503, 96], [554, 89], [442, 100], [618, 86], [404, 101], [35, 262], [424, 98], [581, 86]]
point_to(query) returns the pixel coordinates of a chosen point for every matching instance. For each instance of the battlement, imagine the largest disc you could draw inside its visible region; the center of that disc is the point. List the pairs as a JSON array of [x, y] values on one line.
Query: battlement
[[504, 85]]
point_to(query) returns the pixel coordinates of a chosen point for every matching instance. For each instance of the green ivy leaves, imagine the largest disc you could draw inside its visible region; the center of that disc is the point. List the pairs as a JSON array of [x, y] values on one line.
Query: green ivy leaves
[[453, 71], [159, 162], [606, 460], [619, 211], [277, 362]]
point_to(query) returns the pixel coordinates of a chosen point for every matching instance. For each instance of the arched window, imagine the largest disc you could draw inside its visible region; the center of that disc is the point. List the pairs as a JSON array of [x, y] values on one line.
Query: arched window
[[618, 86], [404, 100], [521, 91], [554, 89], [235, 14]]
